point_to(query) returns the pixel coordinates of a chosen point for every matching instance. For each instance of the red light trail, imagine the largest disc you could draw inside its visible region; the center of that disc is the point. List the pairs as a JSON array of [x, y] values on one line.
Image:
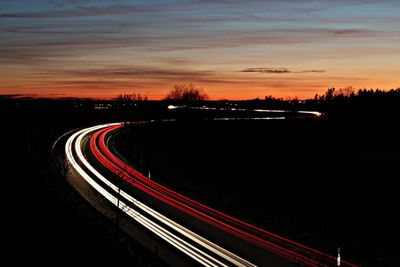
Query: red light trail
[[285, 248]]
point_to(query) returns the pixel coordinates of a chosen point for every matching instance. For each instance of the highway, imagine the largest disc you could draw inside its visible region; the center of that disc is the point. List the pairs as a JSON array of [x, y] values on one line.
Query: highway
[[207, 236]]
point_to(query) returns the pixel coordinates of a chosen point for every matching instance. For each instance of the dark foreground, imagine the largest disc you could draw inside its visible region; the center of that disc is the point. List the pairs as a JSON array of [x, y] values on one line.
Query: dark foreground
[[44, 221], [325, 183]]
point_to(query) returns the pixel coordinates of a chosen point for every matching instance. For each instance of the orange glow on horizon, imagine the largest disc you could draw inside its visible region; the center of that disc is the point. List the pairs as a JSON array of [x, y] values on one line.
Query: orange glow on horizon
[[220, 92]]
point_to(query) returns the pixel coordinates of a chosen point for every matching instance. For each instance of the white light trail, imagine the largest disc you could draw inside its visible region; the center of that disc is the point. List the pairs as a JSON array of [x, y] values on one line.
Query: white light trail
[[172, 107], [315, 113], [197, 254]]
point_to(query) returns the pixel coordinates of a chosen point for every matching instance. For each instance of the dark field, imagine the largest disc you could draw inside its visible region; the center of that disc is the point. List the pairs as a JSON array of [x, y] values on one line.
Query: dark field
[[325, 182], [45, 222]]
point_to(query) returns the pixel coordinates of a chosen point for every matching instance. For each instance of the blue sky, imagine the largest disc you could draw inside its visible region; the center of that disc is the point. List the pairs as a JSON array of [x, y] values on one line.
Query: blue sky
[[233, 49]]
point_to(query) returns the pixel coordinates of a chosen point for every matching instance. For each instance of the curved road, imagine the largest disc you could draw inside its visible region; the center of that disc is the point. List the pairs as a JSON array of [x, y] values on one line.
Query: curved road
[[204, 235]]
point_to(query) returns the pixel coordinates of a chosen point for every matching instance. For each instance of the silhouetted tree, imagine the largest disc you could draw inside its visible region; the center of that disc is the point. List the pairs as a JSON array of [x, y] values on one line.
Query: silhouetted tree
[[186, 92], [329, 94], [345, 92], [132, 97]]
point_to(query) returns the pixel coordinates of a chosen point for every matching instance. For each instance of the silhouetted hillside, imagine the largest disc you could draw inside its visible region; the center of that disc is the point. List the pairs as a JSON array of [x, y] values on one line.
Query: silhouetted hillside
[[326, 182]]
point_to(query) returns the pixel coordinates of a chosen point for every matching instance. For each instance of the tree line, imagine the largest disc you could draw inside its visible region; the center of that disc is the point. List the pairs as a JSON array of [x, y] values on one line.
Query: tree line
[[349, 93]]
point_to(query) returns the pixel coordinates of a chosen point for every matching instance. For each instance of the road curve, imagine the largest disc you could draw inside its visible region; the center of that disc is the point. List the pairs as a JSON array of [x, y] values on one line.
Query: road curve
[[209, 237]]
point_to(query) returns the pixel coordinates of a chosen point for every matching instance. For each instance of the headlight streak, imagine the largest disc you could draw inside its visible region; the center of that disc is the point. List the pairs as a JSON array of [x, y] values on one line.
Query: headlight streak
[[315, 113], [249, 119], [182, 245], [281, 246]]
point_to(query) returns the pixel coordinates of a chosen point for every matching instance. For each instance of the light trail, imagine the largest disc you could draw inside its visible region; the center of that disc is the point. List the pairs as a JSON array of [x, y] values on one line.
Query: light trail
[[197, 254], [199, 248], [283, 247], [315, 113], [158, 191]]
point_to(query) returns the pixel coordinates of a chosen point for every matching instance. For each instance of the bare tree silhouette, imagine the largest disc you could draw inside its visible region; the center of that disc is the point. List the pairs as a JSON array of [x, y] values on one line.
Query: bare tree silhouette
[[134, 97], [186, 92]]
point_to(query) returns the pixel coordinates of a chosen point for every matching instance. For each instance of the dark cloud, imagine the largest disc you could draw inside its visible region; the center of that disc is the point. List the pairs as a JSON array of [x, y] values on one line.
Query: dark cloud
[[31, 43], [355, 32], [266, 70], [52, 30], [278, 70], [14, 96], [136, 71], [120, 76], [82, 11], [317, 71]]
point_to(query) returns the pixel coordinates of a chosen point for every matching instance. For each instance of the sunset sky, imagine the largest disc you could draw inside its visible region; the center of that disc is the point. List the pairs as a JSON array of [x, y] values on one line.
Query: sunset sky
[[232, 49]]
